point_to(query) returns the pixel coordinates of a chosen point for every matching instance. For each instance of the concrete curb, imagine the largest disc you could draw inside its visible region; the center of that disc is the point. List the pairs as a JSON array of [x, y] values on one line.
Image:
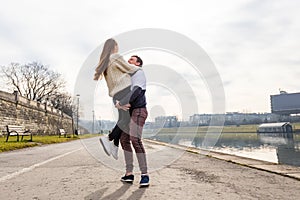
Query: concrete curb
[[280, 169]]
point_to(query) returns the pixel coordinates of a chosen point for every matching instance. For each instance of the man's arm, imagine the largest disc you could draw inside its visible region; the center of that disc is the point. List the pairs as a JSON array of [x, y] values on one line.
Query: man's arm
[[123, 65]]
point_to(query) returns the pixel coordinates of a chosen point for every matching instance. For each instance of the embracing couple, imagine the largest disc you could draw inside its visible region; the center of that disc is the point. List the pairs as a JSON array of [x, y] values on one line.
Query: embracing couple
[[126, 84]]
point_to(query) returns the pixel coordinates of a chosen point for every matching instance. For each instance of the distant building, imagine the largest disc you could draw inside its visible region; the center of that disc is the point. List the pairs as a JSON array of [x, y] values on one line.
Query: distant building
[[200, 119], [285, 103], [250, 118], [166, 121], [233, 118], [281, 127]]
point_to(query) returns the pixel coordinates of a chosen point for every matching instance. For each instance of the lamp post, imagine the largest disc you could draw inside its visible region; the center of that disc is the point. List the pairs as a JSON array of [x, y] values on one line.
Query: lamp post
[[101, 131], [77, 127], [60, 112], [93, 121]]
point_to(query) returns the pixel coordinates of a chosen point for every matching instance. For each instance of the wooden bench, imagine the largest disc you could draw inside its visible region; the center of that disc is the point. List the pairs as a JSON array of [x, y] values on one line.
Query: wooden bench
[[62, 132], [14, 130]]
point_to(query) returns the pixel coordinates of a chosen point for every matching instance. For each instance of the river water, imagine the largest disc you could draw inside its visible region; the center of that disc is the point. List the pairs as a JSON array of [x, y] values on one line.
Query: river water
[[276, 148]]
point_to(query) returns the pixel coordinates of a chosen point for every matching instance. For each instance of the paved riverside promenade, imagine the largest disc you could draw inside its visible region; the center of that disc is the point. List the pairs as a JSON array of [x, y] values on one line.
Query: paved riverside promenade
[[81, 170]]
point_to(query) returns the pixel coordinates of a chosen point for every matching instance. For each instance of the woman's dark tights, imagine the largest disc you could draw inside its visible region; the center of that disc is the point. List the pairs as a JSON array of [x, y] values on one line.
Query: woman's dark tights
[[123, 120]]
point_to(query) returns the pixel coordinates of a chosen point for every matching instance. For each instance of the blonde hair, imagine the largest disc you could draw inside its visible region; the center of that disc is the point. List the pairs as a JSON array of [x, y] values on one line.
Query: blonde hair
[[108, 49]]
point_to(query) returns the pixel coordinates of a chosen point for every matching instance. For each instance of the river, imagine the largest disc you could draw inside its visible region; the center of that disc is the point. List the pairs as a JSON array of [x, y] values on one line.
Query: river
[[271, 147]]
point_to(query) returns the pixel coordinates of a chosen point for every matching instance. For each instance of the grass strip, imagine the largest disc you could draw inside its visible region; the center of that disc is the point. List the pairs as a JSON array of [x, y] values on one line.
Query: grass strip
[[12, 144]]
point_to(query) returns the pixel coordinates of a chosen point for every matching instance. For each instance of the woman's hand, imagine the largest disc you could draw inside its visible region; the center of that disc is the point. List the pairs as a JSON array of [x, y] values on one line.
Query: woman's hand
[[124, 107]]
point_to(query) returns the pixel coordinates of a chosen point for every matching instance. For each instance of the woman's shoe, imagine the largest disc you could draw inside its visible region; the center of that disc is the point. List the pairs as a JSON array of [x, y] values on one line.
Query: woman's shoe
[[114, 150], [106, 144]]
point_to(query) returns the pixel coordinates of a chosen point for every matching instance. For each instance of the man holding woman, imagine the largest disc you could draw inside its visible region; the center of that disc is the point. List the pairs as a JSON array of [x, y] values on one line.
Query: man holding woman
[[127, 85]]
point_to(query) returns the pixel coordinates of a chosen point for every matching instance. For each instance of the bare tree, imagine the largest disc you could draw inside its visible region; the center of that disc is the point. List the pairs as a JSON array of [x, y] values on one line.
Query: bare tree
[[34, 81], [63, 102]]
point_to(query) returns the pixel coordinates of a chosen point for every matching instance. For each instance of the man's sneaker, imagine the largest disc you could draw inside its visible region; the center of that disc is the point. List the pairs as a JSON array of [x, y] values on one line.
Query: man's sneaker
[[128, 179], [114, 150], [144, 181], [106, 144]]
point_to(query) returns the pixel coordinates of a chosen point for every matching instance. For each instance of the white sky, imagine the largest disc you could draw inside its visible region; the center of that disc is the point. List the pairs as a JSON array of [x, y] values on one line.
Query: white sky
[[254, 44]]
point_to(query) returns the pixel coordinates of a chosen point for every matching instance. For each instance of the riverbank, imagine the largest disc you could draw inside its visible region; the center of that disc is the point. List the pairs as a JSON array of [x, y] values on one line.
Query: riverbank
[[275, 149], [250, 128], [280, 169]]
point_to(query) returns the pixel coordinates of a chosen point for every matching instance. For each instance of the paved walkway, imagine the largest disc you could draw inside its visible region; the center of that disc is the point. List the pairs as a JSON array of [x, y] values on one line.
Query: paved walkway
[[76, 170]]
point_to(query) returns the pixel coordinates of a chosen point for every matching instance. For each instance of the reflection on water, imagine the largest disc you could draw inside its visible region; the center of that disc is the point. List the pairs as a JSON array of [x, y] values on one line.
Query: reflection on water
[[272, 147]]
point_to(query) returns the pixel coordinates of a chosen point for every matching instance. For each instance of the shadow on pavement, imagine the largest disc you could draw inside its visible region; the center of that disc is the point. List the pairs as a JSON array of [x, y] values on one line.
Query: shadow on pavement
[[137, 194], [96, 195], [116, 195]]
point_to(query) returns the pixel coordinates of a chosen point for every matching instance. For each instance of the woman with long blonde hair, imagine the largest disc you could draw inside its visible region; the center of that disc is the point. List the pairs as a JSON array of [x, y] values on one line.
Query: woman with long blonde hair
[[116, 72]]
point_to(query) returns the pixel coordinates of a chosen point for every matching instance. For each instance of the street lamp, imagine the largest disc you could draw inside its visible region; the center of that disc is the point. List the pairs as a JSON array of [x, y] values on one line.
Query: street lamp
[[77, 128], [101, 131], [93, 121]]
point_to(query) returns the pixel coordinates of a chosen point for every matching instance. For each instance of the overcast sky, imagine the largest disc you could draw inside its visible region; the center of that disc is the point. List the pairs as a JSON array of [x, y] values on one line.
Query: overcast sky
[[254, 44]]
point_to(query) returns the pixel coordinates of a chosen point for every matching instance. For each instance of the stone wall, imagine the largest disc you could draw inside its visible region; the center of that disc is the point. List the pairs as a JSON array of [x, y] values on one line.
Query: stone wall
[[41, 119]]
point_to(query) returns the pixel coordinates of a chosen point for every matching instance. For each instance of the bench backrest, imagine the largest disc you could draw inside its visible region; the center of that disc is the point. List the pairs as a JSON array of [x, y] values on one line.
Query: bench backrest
[[62, 131], [15, 128]]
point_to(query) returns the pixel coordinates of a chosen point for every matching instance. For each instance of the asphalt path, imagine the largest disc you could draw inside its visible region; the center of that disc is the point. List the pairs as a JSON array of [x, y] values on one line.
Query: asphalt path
[[81, 170]]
